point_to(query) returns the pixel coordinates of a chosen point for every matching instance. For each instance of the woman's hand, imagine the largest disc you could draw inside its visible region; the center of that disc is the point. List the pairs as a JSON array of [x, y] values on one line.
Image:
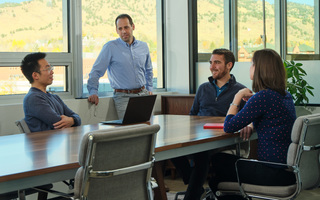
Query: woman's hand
[[246, 132], [244, 94]]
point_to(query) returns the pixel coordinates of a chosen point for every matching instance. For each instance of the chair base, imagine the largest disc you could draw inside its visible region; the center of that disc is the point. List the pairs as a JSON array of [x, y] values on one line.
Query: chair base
[[257, 191], [208, 195], [42, 195]]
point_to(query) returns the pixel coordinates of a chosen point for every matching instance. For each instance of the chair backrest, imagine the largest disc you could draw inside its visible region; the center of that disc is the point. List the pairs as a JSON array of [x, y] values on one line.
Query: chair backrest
[[23, 126], [304, 150], [116, 163]]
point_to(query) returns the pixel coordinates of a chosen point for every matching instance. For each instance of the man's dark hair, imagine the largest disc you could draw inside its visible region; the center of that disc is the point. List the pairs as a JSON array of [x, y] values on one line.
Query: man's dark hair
[[228, 55], [30, 64], [122, 16]]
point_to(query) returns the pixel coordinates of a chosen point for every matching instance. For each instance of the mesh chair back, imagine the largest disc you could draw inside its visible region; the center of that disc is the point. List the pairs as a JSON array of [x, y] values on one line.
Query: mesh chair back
[[23, 126], [113, 150], [304, 150]]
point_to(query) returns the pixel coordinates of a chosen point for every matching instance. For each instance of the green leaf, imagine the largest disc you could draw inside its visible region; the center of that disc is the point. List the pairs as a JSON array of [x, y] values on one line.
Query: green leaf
[[302, 70], [310, 92], [296, 72], [296, 85], [310, 87]]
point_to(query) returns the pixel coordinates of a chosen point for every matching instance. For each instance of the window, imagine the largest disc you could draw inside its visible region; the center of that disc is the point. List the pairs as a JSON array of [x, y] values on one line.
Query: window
[[53, 27], [33, 26], [256, 27], [98, 28], [211, 32], [60, 83], [212, 27], [291, 27], [14, 82], [300, 27]]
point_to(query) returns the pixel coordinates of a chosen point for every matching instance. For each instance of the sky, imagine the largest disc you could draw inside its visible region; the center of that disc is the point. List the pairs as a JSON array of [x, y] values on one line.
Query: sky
[[308, 2], [12, 1]]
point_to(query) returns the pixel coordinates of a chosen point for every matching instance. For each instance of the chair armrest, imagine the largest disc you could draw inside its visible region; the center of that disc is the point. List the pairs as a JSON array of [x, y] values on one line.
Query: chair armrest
[[293, 169], [311, 148], [125, 170], [290, 167]]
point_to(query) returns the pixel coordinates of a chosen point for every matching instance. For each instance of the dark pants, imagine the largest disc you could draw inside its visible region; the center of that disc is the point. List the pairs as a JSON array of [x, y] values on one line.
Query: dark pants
[[194, 176], [223, 169]]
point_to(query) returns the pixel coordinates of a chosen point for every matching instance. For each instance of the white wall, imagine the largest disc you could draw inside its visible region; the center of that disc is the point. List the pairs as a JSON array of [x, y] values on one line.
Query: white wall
[[177, 62]]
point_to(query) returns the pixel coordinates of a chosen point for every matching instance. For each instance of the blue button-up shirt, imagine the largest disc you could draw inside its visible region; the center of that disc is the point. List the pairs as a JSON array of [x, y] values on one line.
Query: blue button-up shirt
[[128, 66]]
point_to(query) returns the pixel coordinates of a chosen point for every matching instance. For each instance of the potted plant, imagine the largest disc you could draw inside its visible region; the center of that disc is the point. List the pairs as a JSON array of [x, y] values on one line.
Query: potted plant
[[296, 85]]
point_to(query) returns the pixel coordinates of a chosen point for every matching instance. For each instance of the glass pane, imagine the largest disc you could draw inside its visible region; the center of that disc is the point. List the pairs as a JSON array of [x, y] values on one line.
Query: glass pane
[[251, 27], [98, 27], [210, 25], [12, 81], [300, 27], [32, 26], [59, 80]]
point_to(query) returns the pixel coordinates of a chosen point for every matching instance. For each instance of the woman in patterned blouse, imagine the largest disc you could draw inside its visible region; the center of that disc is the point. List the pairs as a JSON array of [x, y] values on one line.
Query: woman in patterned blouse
[[271, 111]]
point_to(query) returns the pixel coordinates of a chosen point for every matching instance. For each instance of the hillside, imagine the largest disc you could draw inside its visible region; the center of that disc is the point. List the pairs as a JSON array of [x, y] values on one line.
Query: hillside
[[250, 27], [20, 32]]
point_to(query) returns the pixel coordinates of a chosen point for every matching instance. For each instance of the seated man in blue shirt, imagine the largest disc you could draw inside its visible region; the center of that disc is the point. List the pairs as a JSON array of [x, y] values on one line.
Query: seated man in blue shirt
[[44, 111], [213, 98], [128, 64]]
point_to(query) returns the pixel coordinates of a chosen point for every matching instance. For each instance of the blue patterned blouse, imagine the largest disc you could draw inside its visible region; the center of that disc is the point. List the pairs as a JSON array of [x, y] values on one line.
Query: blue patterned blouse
[[273, 116]]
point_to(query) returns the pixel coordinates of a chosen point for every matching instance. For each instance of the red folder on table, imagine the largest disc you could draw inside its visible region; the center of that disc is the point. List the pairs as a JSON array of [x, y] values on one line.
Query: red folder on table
[[213, 126]]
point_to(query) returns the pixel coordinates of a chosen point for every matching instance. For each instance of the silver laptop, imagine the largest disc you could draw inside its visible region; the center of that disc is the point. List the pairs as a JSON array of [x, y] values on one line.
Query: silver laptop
[[139, 109]]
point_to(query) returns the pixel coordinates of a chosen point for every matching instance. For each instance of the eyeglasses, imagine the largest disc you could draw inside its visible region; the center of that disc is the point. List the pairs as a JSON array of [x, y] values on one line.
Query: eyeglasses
[[49, 69]]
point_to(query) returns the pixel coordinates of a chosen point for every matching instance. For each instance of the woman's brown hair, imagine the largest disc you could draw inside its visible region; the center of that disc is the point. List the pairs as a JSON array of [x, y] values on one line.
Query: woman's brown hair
[[269, 72]]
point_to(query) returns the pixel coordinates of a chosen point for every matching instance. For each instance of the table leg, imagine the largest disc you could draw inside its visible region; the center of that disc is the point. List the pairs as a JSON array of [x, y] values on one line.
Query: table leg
[[157, 173], [238, 149]]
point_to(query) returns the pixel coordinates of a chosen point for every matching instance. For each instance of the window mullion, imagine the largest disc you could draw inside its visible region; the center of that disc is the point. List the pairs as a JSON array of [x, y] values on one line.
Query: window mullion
[[234, 27], [316, 26], [76, 72]]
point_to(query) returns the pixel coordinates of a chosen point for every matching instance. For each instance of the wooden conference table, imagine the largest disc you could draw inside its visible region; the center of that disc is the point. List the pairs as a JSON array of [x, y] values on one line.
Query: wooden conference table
[[33, 159]]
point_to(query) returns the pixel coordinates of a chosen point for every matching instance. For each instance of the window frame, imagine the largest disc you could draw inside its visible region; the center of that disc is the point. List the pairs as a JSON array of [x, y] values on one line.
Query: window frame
[[13, 59], [284, 54], [160, 18], [280, 40], [72, 29], [230, 10]]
